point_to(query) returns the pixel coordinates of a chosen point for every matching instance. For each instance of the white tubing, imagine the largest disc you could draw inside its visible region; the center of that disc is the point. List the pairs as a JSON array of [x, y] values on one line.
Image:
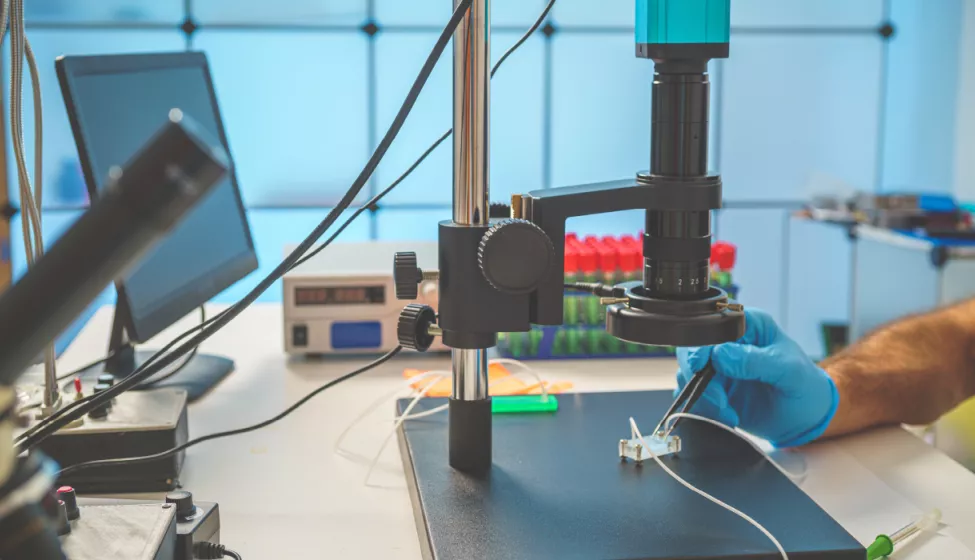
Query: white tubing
[[795, 477], [704, 494]]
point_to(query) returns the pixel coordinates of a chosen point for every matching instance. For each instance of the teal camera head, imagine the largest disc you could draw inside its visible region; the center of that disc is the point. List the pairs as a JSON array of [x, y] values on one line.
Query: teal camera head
[[682, 29]]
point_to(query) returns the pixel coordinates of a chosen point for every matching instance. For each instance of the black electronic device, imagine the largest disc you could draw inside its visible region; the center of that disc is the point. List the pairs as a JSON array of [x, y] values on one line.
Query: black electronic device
[[141, 203], [109, 101], [136, 424]]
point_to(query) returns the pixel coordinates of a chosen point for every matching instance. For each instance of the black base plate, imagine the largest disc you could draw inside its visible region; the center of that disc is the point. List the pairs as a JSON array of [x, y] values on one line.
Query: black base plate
[[558, 490]]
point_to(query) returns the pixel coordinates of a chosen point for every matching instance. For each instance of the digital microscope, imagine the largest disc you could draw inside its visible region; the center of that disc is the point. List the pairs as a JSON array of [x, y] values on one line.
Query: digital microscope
[[505, 275]]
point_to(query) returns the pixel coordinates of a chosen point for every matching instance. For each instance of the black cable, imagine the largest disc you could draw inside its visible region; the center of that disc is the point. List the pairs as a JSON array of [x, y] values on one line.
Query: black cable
[[213, 551], [152, 382], [596, 288], [189, 358], [232, 312], [64, 411], [162, 455], [374, 200]]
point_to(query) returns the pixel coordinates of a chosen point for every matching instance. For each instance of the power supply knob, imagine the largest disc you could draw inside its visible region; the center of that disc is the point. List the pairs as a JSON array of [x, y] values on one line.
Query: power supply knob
[[183, 501], [407, 275], [67, 495], [515, 256], [413, 329]]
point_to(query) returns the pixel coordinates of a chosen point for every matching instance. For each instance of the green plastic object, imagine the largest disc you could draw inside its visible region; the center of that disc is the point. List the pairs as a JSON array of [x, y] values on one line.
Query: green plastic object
[[524, 404], [683, 21], [880, 548]]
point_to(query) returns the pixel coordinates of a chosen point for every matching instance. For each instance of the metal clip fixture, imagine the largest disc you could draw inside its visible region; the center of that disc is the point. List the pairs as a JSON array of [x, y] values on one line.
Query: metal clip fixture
[[613, 300], [736, 307]]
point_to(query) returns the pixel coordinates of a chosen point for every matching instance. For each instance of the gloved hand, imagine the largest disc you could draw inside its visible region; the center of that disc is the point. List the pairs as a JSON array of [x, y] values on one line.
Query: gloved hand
[[764, 383]]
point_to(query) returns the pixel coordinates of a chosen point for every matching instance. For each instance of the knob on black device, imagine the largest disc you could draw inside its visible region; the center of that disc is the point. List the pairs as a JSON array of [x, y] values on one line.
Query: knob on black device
[[67, 495], [183, 501], [515, 256], [413, 329], [407, 275]]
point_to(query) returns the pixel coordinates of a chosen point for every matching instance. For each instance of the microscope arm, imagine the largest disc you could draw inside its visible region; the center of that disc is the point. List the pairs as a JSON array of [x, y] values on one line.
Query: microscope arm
[[550, 208]]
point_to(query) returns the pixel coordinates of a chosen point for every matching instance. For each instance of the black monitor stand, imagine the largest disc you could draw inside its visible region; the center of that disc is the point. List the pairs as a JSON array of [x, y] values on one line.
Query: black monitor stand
[[196, 373]]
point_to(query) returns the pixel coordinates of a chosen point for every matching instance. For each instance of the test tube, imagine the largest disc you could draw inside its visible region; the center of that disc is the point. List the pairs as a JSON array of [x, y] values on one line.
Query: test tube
[[588, 265], [571, 301]]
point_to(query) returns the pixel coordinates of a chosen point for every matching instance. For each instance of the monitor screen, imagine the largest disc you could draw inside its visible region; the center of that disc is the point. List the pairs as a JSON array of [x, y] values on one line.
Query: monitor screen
[[116, 103]]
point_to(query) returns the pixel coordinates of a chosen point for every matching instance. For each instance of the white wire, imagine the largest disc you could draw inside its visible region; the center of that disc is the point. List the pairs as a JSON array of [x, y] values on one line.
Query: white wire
[[795, 477], [338, 449], [399, 422], [704, 494]]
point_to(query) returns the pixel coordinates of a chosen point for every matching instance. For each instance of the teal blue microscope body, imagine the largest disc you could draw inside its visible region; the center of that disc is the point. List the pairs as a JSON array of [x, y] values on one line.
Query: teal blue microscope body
[[682, 29]]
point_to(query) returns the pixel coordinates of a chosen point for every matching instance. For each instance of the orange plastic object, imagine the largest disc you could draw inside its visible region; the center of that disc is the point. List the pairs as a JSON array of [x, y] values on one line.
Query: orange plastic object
[[500, 382]]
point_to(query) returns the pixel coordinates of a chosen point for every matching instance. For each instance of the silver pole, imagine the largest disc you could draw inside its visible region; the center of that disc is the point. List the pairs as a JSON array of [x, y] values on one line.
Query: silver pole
[[472, 99], [470, 374]]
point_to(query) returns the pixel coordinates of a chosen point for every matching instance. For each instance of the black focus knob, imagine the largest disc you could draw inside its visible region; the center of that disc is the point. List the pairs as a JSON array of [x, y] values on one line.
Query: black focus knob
[[67, 495], [515, 256], [407, 275], [413, 329], [183, 501], [500, 210]]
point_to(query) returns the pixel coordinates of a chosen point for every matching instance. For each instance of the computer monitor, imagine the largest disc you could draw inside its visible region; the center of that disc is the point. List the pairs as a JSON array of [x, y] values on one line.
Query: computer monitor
[[113, 103]]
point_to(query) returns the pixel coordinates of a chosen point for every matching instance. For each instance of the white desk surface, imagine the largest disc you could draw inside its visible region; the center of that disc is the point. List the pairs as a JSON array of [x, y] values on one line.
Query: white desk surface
[[284, 493]]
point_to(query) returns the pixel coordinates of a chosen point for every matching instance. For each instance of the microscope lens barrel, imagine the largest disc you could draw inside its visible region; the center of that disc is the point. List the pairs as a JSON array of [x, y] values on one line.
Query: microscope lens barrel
[[677, 242]]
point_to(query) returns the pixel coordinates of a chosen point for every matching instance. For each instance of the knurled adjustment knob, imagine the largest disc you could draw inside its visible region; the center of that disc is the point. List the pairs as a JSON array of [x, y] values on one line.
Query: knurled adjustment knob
[[407, 275], [413, 329], [515, 256]]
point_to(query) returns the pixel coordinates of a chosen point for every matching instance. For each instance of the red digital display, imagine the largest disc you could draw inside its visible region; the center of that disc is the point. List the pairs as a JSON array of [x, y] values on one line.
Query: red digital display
[[340, 295]]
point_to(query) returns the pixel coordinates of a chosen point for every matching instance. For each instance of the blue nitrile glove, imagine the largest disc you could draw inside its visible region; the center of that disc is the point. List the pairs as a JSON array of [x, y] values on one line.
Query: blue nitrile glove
[[764, 383]]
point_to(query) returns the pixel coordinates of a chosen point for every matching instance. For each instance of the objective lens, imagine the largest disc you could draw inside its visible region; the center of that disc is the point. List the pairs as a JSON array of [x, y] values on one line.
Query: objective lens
[[676, 278]]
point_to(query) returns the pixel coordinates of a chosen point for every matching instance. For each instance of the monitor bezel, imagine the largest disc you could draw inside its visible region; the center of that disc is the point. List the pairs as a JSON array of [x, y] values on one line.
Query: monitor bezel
[[193, 295]]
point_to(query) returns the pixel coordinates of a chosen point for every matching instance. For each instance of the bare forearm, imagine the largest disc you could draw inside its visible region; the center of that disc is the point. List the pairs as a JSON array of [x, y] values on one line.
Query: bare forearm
[[910, 372]]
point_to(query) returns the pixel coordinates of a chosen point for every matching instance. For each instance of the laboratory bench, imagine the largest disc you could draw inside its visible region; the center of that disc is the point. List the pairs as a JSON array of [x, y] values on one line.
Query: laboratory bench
[[284, 492]]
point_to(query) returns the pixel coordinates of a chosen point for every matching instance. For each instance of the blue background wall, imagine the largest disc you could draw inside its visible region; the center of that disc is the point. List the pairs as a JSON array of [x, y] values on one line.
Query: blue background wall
[[812, 89]]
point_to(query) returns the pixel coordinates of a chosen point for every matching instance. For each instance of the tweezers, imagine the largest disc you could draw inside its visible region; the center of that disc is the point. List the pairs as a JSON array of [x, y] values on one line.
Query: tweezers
[[686, 399]]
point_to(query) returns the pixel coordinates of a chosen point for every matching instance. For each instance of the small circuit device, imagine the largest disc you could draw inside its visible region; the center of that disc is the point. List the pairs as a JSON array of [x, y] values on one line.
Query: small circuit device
[[96, 528], [132, 425], [344, 299]]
